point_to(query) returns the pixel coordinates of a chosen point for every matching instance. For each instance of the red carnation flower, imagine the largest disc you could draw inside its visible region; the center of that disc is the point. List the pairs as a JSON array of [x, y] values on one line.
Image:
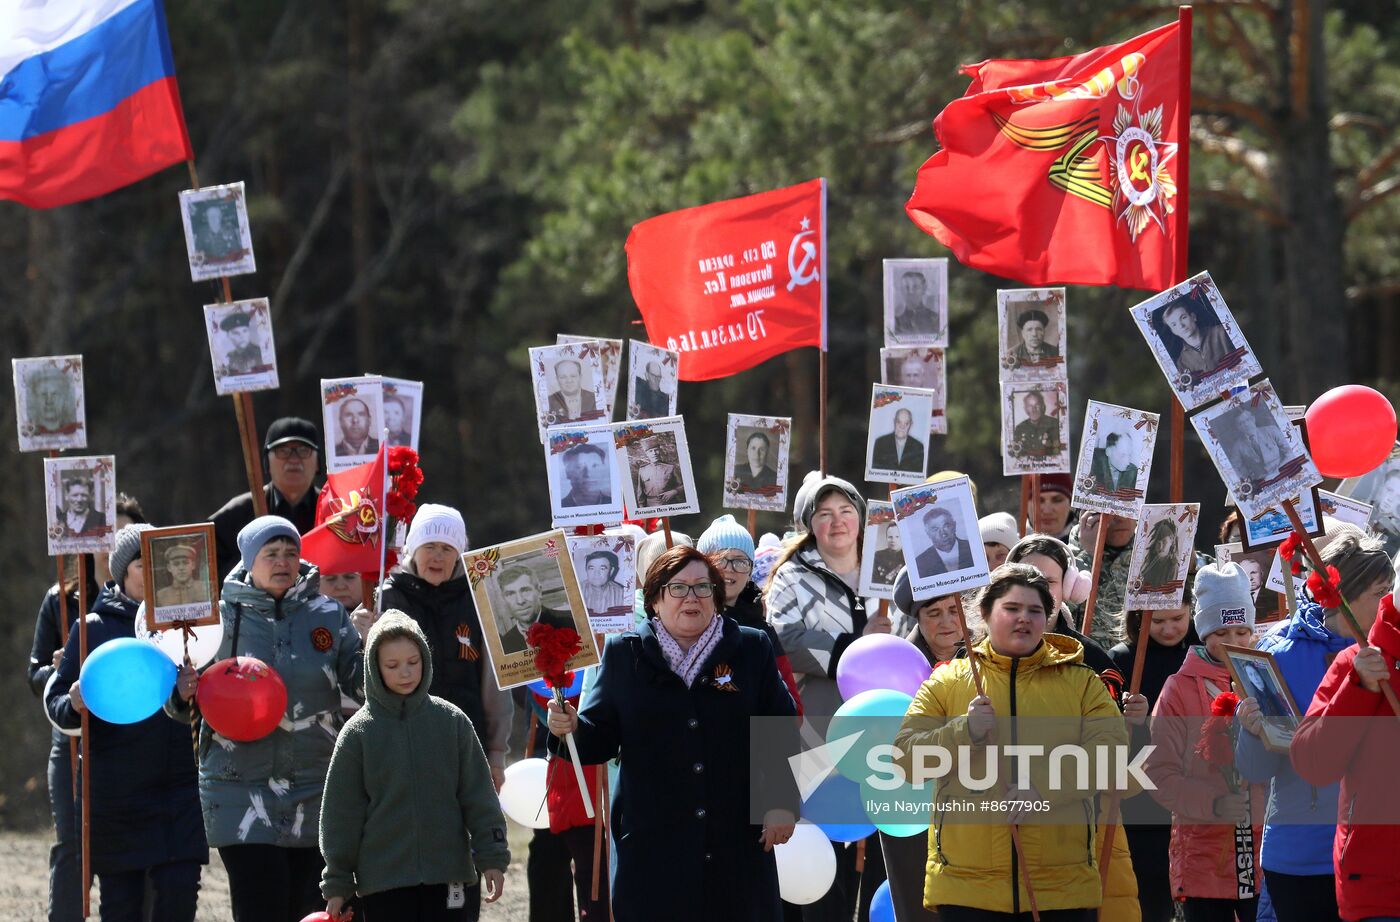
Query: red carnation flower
[[1326, 590], [1225, 704], [1288, 550]]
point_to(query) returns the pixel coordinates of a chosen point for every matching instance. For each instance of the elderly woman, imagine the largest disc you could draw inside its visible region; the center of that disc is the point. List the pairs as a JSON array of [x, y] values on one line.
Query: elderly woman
[[262, 799], [673, 702], [1026, 673]]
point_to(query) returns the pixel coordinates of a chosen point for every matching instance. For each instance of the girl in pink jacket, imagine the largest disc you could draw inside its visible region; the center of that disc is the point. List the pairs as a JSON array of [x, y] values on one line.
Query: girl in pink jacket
[[1216, 823]]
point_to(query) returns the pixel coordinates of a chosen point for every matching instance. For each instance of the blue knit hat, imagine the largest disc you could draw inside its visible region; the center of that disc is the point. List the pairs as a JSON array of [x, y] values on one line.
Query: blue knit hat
[[725, 534], [262, 530]]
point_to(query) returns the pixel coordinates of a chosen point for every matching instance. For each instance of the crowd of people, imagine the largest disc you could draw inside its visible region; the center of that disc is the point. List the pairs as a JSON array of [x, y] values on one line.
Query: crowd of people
[[377, 790]]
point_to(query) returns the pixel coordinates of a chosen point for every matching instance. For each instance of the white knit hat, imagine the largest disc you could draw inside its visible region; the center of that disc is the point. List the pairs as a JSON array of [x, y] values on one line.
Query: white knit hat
[[434, 522], [1223, 599], [999, 528]]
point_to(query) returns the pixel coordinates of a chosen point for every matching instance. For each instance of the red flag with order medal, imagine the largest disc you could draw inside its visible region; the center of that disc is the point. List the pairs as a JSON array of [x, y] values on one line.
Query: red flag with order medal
[[732, 283], [1064, 170], [349, 520]]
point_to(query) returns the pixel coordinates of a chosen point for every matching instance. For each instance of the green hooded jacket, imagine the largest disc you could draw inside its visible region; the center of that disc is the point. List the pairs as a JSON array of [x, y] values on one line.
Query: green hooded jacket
[[408, 798]]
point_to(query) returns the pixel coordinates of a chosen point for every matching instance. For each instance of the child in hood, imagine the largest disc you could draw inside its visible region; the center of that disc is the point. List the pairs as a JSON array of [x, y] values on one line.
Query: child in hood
[[1214, 871], [410, 817]]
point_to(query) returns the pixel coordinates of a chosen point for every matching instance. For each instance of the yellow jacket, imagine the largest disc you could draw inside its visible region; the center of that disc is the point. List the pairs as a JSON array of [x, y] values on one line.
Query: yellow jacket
[[971, 860]]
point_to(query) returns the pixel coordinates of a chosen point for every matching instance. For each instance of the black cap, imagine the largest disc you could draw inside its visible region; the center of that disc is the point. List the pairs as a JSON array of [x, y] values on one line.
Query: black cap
[[292, 429], [237, 319]]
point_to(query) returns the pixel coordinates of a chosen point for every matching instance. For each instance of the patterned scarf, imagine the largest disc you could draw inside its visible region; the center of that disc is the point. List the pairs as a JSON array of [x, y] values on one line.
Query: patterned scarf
[[686, 664]]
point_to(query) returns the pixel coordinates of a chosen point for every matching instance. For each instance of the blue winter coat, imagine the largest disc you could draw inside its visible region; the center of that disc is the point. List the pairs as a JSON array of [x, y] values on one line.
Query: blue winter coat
[[268, 792], [1301, 819], [681, 814], [145, 803]]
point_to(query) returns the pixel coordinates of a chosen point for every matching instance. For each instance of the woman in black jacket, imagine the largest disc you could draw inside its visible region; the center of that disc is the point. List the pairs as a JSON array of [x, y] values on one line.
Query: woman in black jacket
[[147, 829], [673, 702]]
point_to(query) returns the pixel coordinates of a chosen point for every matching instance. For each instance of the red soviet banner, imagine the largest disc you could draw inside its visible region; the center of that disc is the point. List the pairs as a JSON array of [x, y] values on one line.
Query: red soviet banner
[[732, 283]]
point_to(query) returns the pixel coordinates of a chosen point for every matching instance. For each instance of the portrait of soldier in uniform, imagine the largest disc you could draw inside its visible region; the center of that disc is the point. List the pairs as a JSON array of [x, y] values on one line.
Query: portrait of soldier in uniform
[[181, 566], [244, 356]]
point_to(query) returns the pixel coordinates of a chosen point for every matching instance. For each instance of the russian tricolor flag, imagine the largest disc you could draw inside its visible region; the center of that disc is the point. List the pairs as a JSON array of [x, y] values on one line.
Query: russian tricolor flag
[[88, 101]]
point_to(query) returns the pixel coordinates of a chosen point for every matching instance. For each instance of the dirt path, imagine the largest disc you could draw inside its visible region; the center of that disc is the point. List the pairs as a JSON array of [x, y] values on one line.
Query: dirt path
[[24, 882]]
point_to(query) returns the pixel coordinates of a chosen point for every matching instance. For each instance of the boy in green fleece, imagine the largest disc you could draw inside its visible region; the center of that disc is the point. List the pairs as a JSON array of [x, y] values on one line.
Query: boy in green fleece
[[409, 817]]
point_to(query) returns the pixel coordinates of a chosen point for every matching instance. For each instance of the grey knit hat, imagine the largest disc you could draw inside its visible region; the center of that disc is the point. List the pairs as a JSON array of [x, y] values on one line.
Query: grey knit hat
[[1223, 599], [128, 548], [813, 486], [262, 530]]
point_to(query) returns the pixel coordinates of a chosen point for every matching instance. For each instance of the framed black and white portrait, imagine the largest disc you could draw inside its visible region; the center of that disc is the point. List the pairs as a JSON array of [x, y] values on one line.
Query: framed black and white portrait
[[1035, 428], [756, 462], [922, 367], [1196, 341], [80, 504], [611, 352], [1115, 459], [916, 302], [607, 569], [941, 542], [1257, 675], [656, 472], [568, 382], [182, 578], [49, 408], [1163, 547], [883, 555], [352, 412], [1031, 331], [652, 380], [897, 441], [241, 346], [584, 484], [217, 237]]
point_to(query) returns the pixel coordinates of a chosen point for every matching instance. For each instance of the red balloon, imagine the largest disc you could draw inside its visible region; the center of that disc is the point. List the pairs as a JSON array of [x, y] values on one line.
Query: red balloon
[[1351, 430], [322, 916], [242, 698]]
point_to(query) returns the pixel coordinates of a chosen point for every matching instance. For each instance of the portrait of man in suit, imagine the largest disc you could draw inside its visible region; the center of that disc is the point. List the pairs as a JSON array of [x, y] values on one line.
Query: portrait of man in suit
[[586, 469], [524, 606], [947, 552], [355, 421], [602, 593], [77, 515], [1114, 466], [917, 313], [397, 421], [753, 471], [571, 402], [652, 401], [1033, 348], [898, 450]]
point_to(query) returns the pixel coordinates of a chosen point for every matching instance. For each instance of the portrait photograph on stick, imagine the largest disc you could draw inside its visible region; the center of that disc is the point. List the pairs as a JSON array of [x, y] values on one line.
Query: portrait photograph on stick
[[611, 352], [241, 346], [756, 462], [80, 502], [896, 448], [518, 584], [882, 556], [920, 367], [916, 302], [1257, 675], [607, 569], [652, 380], [403, 411], [568, 382], [1196, 341], [352, 410], [1115, 459], [49, 410], [584, 484], [1265, 581], [217, 237], [1161, 558], [182, 586], [1260, 455], [1344, 508], [1031, 329], [1035, 428], [943, 546], [657, 479]]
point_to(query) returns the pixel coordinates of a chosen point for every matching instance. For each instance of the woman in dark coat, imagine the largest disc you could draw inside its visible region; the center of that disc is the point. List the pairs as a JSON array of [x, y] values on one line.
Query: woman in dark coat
[[673, 702], [146, 822]]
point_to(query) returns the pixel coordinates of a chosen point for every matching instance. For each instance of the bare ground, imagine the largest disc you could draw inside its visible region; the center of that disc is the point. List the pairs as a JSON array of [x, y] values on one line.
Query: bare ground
[[24, 881]]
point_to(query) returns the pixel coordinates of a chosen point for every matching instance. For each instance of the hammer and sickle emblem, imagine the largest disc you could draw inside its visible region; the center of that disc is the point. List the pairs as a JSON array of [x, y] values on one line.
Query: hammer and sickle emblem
[[803, 271], [1140, 159]]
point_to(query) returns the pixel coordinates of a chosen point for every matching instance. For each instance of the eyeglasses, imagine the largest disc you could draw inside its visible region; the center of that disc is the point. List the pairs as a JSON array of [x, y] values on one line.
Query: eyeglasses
[[737, 564], [681, 590], [287, 452]]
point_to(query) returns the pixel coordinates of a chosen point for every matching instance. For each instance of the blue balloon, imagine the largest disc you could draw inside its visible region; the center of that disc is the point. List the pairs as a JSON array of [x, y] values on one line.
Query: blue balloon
[[835, 808], [126, 680], [882, 904], [576, 686], [876, 715], [905, 811]]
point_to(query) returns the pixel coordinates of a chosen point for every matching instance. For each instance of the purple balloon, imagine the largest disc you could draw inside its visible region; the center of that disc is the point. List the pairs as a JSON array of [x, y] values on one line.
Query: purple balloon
[[881, 661]]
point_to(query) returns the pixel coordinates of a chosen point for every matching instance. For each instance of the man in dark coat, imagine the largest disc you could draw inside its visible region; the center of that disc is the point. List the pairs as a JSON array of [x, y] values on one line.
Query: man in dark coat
[[754, 474], [1112, 467], [948, 553], [292, 452], [524, 608], [571, 402], [898, 450], [651, 400], [76, 515]]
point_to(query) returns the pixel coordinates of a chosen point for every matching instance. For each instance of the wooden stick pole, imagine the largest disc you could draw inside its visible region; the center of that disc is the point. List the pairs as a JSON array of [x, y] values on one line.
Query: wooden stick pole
[[753, 525], [1104, 521], [666, 525], [1183, 223], [602, 773], [1015, 830], [87, 746], [1025, 504], [821, 411], [63, 638], [1316, 557]]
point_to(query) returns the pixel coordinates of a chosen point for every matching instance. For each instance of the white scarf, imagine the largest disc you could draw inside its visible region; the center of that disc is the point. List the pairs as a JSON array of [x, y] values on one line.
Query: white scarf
[[687, 663]]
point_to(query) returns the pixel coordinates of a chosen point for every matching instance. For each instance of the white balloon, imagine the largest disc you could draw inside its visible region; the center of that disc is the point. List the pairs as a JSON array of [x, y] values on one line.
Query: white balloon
[[806, 865], [522, 793], [203, 647]]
